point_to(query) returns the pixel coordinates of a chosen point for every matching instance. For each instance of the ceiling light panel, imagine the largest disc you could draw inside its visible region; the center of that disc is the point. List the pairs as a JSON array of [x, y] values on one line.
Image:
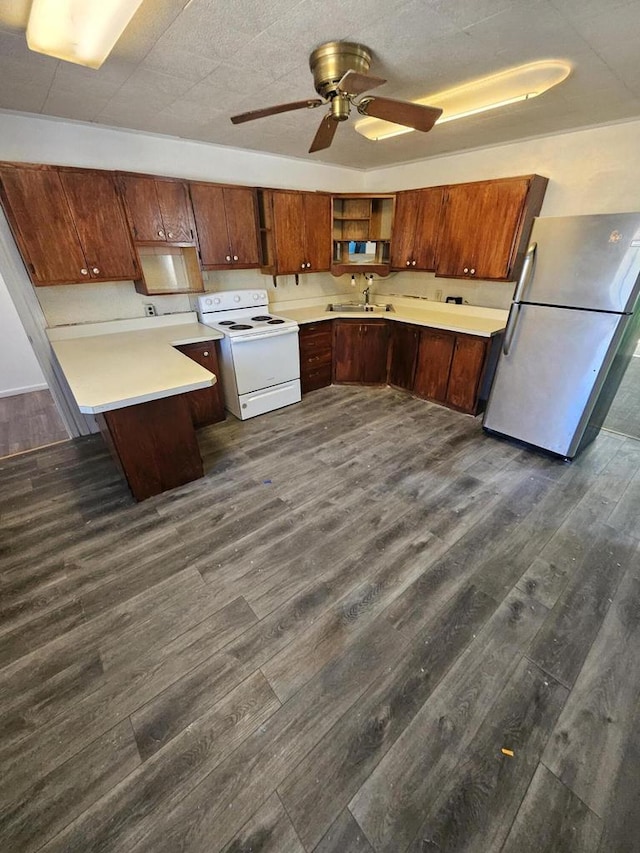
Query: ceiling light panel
[[80, 31], [487, 93]]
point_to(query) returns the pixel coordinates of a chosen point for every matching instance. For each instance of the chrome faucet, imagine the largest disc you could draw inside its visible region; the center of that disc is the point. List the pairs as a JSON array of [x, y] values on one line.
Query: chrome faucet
[[367, 294]]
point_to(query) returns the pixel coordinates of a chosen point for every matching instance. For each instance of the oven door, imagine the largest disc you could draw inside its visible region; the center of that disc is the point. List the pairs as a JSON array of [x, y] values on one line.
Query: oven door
[[264, 360]]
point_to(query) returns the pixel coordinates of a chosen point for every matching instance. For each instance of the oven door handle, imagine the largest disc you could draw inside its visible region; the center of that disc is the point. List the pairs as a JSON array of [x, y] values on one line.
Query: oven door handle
[[241, 339]]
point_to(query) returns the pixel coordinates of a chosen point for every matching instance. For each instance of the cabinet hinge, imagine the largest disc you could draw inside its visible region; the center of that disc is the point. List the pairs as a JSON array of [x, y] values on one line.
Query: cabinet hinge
[[31, 269]]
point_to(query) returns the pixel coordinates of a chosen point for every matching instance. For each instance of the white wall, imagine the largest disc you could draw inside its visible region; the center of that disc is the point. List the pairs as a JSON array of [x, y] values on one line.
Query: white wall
[[19, 369]]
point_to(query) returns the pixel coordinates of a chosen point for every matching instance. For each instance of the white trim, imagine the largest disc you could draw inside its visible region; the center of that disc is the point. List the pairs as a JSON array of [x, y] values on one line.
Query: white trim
[[27, 389]]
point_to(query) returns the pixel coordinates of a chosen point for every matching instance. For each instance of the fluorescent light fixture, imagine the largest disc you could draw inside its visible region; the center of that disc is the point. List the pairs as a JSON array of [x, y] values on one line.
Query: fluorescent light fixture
[[80, 31], [488, 93]]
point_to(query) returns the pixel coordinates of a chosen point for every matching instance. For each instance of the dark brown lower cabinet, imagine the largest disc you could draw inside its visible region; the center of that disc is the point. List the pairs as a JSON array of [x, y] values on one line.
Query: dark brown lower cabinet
[[449, 369], [434, 362], [360, 350], [207, 404], [154, 444], [466, 372], [316, 355], [403, 344]]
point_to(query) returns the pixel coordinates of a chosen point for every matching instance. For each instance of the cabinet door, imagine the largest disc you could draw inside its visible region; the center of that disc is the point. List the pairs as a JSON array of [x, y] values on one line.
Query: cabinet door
[[143, 207], [502, 206], [347, 351], [242, 223], [466, 372], [206, 405], [101, 224], [211, 225], [404, 352], [317, 223], [428, 228], [374, 344], [288, 227], [434, 361], [173, 198], [461, 219], [406, 226], [41, 220]]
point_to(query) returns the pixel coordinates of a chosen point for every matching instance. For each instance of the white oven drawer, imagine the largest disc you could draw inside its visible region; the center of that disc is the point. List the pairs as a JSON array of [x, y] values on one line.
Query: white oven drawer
[[268, 399], [262, 362]]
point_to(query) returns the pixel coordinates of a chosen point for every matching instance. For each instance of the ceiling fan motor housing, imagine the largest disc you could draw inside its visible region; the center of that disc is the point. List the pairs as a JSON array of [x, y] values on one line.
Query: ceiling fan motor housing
[[331, 61]]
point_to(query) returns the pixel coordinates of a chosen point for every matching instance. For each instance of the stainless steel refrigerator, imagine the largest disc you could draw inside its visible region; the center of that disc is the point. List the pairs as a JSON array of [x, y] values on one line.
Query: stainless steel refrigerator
[[573, 326]]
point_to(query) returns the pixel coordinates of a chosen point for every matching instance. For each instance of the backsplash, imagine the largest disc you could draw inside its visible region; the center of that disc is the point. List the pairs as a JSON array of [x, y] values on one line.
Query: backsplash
[[94, 303]]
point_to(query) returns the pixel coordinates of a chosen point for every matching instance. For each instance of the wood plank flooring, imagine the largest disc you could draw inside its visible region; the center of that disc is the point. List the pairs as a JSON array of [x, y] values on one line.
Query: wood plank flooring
[[325, 644], [28, 421], [624, 414]]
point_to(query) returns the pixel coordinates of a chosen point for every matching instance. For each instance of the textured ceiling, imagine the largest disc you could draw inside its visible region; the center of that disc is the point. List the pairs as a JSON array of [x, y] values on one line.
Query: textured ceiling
[[183, 68]]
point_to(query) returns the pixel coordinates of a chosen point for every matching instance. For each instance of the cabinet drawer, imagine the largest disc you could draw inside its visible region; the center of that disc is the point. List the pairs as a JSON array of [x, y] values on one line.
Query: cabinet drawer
[[316, 377], [316, 358], [321, 339]]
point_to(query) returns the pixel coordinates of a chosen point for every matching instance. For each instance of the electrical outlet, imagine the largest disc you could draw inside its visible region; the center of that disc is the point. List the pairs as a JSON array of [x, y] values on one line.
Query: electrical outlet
[[150, 310], [438, 296]]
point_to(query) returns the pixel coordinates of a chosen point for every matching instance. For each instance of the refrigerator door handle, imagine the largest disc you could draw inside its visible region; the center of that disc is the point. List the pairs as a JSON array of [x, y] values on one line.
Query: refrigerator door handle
[[509, 332], [528, 267]]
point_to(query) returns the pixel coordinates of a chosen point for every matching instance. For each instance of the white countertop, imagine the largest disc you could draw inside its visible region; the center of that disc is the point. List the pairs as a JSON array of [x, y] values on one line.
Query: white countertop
[[113, 369], [470, 320]]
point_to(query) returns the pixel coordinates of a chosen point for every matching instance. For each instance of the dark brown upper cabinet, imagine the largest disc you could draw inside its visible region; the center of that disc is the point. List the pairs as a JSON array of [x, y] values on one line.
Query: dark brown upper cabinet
[[415, 229], [227, 226], [69, 224], [486, 226], [296, 232], [159, 210]]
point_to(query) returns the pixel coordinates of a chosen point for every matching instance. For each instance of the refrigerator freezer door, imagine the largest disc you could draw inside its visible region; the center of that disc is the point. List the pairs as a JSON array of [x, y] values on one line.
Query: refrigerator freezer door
[[546, 386], [586, 262]]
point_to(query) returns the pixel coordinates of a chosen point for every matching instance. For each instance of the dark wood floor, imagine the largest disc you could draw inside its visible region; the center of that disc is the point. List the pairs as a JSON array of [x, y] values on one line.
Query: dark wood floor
[[324, 645], [624, 414], [28, 421]]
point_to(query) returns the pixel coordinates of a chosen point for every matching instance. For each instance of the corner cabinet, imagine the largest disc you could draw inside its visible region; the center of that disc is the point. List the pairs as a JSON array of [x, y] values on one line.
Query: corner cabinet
[[360, 351], [69, 224], [226, 221], [361, 232], [485, 227], [295, 230], [415, 229]]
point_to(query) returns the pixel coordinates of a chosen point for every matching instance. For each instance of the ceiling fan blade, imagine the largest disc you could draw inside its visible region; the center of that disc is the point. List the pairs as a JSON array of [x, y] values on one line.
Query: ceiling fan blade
[[400, 112], [355, 84], [325, 134], [279, 108]]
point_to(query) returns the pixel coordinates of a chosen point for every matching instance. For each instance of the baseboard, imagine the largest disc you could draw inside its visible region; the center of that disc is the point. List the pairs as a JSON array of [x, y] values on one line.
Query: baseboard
[[12, 392]]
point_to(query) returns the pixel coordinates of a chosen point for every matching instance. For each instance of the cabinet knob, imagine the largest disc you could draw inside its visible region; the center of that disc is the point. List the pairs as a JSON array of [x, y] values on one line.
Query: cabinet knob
[[308, 265], [466, 269], [84, 271], [413, 263], [228, 257], [170, 234], [235, 257], [472, 271], [206, 352], [160, 233], [95, 271], [302, 266], [408, 263]]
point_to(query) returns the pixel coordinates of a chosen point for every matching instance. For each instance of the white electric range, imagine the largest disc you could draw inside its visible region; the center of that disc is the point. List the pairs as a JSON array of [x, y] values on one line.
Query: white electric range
[[260, 359]]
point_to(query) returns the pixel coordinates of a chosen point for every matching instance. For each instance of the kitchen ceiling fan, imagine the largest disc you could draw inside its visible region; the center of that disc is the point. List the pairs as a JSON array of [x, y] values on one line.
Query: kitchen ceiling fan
[[340, 75]]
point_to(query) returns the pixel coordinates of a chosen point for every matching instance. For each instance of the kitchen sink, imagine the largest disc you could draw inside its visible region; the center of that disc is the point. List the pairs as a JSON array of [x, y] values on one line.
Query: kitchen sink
[[372, 307]]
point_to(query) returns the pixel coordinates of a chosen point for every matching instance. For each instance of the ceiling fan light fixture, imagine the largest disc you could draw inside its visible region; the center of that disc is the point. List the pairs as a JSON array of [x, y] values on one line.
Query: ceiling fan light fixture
[[488, 93], [79, 31]]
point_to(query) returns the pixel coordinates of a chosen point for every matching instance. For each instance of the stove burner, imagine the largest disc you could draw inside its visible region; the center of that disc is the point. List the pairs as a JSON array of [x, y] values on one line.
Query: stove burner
[[240, 327], [275, 322], [227, 322], [260, 318]]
